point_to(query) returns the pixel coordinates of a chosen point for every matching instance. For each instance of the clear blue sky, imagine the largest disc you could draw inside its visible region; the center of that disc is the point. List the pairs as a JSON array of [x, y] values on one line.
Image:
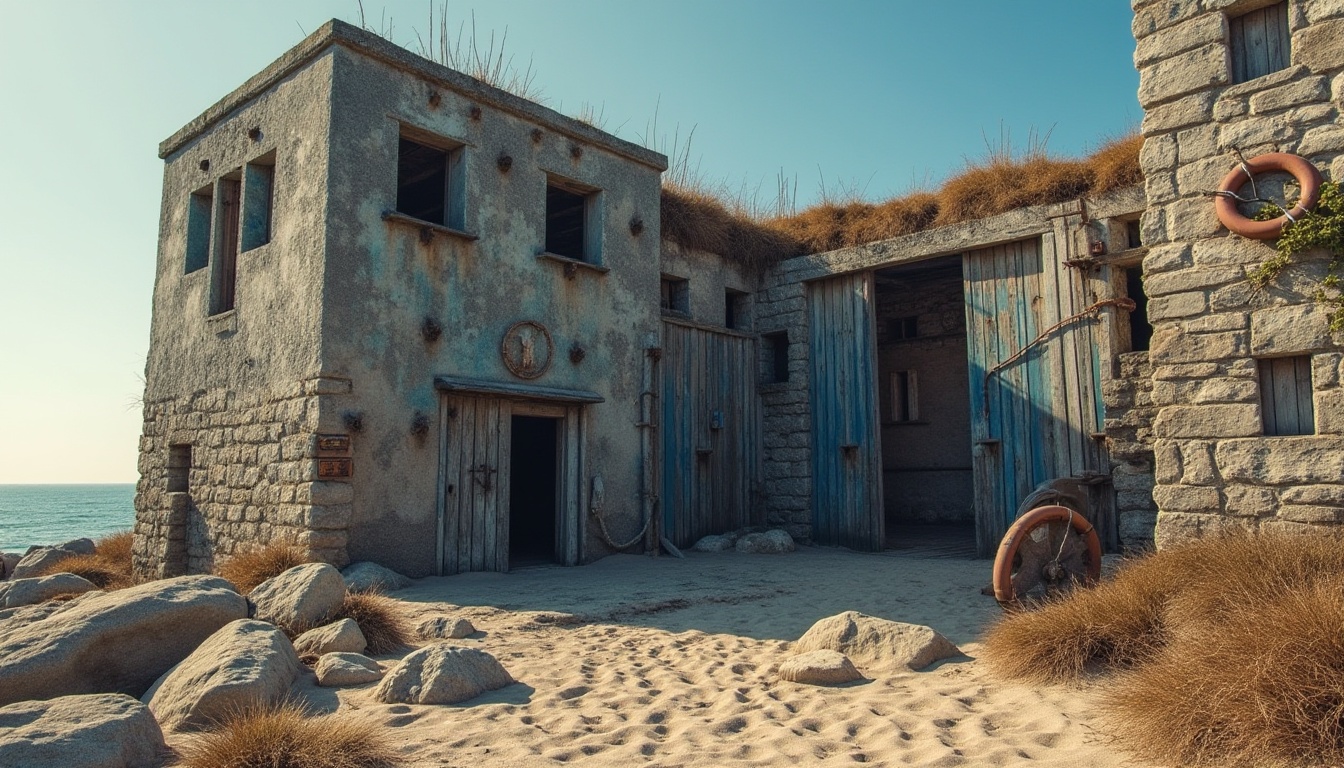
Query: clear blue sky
[[872, 96]]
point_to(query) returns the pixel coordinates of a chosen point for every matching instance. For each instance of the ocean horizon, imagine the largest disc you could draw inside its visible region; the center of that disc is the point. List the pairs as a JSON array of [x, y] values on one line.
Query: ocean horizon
[[41, 514]]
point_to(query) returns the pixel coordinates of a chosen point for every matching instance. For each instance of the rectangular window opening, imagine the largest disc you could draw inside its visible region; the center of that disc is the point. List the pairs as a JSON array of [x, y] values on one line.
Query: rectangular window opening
[[430, 182], [225, 276], [904, 396], [573, 223], [1285, 396], [1133, 234], [899, 328], [258, 201], [675, 295], [200, 207], [1140, 328], [179, 467], [776, 349], [1259, 42], [734, 309]]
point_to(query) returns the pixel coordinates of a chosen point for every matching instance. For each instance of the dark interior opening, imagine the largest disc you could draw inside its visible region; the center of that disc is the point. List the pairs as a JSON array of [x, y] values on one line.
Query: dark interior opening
[[1140, 329], [422, 181], [564, 222], [532, 490]]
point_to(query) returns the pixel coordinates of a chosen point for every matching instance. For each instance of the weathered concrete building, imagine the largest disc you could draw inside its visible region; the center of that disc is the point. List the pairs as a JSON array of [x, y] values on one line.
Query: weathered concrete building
[[404, 316]]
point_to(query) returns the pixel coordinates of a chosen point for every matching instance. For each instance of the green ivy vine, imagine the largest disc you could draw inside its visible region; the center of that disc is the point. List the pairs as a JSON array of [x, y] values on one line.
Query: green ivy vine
[[1320, 229]]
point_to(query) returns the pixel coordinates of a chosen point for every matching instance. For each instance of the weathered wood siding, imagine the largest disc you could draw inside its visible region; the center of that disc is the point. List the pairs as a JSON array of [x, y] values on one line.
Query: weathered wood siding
[[475, 468], [710, 431], [1035, 419], [846, 448], [1259, 42]]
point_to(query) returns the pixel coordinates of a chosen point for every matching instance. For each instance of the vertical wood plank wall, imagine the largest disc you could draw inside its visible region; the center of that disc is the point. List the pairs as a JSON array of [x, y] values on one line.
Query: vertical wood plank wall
[[1032, 421], [1259, 42], [846, 450], [710, 476]]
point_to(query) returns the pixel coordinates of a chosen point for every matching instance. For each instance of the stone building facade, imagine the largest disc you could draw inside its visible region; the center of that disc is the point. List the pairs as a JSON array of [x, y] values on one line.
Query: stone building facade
[[1221, 457]]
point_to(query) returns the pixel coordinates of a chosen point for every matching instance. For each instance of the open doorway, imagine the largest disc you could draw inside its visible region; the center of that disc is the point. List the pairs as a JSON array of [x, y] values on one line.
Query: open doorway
[[533, 484], [923, 399]]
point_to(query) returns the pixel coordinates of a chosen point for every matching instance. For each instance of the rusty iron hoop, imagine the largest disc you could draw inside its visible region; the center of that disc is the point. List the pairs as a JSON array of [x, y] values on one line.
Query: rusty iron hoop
[[1226, 198], [1008, 587]]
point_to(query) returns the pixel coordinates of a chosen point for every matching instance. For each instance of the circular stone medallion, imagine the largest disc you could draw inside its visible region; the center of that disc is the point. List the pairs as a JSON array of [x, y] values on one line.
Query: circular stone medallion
[[527, 349]]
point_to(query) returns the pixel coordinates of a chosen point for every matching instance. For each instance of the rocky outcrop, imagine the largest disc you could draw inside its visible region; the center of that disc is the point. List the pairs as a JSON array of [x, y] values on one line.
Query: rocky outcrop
[[877, 644], [365, 576], [302, 596], [8, 560], [444, 628], [774, 542], [442, 674], [337, 669], [719, 542], [38, 559], [819, 668], [114, 642], [245, 663], [98, 731], [20, 592], [342, 636]]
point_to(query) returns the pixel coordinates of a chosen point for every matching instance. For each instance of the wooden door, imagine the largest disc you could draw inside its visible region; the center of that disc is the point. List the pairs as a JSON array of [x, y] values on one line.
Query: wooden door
[[474, 456], [709, 428], [846, 448]]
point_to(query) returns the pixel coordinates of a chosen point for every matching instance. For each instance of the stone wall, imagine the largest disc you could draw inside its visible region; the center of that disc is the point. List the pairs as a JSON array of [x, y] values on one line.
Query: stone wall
[[786, 419], [1214, 466], [1129, 431]]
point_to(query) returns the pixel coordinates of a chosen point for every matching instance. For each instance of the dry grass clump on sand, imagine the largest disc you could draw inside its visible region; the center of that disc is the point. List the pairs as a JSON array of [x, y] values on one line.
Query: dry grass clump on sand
[[249, 569], [283, 737], [109, 567], [380, 620], [1229, 651]]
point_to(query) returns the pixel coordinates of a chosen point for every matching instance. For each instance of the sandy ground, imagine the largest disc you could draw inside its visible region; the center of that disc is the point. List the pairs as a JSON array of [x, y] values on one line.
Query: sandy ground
[[642, 661]]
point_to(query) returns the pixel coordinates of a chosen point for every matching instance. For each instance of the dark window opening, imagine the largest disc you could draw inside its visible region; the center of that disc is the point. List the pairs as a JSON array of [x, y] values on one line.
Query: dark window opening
[[224, 288], [200, 208], [1133, 234], [734, 309], [566, 223], [179, 467], [904, 396], [776, 348], [533, 471], [899, 328], [675, 295], [1140, 328], [258, 202], [1259, 42], [430, 183], [1285, 396]]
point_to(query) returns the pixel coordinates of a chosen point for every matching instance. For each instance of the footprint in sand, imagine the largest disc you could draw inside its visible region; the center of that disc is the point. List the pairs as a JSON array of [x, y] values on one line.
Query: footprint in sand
[[573, 693]]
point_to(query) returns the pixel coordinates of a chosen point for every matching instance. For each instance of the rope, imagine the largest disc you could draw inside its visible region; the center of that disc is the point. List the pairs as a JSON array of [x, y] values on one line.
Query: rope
[[1122, 303], [605, 535]]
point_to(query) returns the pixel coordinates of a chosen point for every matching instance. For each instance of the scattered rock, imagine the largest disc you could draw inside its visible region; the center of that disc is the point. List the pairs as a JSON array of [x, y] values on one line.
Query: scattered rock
[[39, 559], [245, 663], [875, 643], [444, 628], [715, 543], [342, 636], [17, 593], [113, 642], [337, 669], [110, 730], [365, 576], [442, 674], [8, 560], [79, 546], [769, 543], [304, 595], [819, 668]]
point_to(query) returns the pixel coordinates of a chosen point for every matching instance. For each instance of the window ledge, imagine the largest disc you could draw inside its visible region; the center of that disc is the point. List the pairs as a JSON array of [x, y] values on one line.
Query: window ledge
[[223, 324], [572, 265], [427, 228]]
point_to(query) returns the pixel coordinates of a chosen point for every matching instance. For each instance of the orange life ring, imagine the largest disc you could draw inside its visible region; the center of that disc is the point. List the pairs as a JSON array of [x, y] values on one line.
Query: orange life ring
[[1308, 178], [1004, 589]]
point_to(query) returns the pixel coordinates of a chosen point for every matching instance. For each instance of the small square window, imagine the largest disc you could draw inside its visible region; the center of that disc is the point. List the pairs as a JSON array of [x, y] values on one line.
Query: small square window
[[734, 309], [676, 295], [573, 221], [776, 354], [1285, 396], [200, 207], [179, 467], [1259, 42], [431, 182], [899, 328], [904, 396], [258, 203], [1133, 234]]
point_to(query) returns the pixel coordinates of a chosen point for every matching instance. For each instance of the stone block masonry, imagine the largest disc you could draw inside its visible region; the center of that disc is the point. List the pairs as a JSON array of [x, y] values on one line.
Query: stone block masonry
[[786, 414], [1128, 400]]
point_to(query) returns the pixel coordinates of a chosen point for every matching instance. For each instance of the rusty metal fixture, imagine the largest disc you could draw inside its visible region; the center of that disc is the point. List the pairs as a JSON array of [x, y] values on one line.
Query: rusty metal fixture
[[431, 329], [536, 135], [475, 112], [527, 349], [435, 98], [254, 133], [636, 225], [1226, 198], [504, 162], [419, 424], [577, 353], [205, 165], [426, 235], [1096, 248], [354, 421], [1048, 550], [575, 151], [571, 270]]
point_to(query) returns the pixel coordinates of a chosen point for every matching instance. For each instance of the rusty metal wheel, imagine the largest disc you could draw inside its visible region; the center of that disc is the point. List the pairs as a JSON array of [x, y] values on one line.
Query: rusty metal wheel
[[1048, 551]]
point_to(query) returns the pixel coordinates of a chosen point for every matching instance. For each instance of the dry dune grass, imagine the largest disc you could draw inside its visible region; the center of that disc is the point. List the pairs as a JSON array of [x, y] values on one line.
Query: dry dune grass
[[697, 218], [380, 620], [248, 569], [1229, 651], [284, 737], [109, 567]]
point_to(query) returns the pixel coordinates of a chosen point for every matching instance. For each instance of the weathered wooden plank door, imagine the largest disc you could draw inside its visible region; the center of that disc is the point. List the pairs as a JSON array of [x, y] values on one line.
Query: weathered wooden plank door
[[710, 435], [1034, 417], [846, 448], [476, 484]]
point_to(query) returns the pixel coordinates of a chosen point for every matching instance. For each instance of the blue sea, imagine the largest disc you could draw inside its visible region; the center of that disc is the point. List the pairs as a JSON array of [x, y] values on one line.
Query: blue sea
[[51, 514]]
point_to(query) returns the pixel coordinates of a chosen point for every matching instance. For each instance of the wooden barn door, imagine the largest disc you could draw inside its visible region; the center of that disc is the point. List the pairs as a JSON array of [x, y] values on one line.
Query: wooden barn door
[[1034, 415], [709, 427], [846, 452], [476, 484]]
